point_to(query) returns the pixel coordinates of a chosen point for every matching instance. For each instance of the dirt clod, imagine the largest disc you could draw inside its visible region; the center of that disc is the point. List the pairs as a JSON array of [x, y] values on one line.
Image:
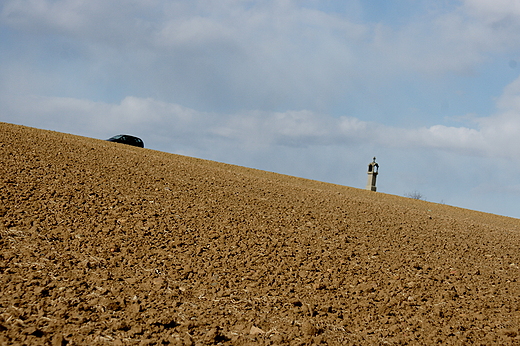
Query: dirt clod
[[255, 331]]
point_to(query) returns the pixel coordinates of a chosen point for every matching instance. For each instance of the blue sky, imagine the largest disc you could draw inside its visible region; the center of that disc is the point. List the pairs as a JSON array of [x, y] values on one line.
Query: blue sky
[[308, 88]]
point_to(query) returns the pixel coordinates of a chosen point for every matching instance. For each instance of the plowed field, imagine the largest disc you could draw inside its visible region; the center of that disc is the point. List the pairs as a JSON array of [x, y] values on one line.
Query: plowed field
[[107, 244]]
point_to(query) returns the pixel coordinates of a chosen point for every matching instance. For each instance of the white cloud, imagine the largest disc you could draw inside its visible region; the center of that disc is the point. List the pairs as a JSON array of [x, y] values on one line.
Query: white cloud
[[254, 130], [510, 98], [193, 31], [236, 55], [76, 18], [494, 12]]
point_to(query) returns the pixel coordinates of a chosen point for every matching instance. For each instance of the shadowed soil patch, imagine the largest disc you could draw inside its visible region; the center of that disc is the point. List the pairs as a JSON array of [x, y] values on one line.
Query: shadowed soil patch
[[107, 244]]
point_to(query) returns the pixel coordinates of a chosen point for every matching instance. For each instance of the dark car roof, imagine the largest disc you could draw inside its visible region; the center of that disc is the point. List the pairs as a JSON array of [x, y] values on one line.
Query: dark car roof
[[127, 139]]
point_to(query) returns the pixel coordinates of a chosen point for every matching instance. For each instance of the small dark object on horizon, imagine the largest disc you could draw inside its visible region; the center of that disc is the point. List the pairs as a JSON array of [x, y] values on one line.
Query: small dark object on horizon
[[127, 139], [414, 195]]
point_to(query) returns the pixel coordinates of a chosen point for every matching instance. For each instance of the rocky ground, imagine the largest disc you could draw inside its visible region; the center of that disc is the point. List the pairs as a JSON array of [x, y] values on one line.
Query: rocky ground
[[107, 244]]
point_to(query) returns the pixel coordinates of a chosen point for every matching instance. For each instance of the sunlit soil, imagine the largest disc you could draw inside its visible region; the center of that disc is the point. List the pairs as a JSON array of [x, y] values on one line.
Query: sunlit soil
[[108, 244]]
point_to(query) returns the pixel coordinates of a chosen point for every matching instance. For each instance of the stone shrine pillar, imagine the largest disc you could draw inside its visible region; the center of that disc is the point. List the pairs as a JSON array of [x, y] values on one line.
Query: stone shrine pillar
[[373, 167]]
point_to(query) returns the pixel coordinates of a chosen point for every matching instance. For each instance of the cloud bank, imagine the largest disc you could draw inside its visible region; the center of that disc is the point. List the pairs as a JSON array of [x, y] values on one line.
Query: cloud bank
[[260, 129]]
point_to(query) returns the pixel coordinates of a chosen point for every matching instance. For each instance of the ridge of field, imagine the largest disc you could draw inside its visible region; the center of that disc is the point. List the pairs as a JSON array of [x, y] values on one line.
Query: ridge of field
[[107, 244]]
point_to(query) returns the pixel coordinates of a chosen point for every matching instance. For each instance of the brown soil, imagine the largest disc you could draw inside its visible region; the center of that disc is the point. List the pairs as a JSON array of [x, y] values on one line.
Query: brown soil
[[107, 244]]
